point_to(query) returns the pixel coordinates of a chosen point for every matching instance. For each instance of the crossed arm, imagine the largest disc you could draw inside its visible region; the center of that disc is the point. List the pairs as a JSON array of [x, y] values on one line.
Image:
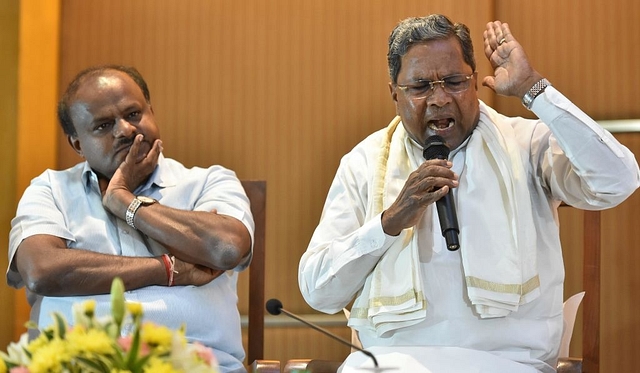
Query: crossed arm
[[204, 244]]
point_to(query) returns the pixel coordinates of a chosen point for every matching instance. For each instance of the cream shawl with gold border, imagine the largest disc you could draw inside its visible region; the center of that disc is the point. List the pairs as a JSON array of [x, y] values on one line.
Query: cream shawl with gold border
[[498, 245]]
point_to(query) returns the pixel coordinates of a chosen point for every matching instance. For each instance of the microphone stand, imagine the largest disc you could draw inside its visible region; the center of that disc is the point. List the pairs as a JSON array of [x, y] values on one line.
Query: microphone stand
[[326, 332]]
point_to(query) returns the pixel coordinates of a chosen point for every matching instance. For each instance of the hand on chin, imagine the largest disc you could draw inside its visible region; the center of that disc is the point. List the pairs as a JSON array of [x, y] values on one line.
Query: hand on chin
[[144, 149]]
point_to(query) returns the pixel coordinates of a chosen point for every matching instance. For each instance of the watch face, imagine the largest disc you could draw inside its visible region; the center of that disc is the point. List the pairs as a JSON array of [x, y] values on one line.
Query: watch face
[[146, 200]]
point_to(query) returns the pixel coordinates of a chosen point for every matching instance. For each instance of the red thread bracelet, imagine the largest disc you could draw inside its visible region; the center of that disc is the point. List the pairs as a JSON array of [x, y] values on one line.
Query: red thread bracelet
[[172, 270], [168, 266]]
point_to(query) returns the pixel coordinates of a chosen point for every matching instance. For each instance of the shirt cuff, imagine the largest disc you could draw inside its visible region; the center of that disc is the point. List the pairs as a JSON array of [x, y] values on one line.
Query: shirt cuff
[[372, 240]]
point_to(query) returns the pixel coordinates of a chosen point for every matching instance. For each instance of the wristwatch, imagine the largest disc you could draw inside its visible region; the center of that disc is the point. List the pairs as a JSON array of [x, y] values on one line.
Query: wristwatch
[[134, 206], [537, 88]]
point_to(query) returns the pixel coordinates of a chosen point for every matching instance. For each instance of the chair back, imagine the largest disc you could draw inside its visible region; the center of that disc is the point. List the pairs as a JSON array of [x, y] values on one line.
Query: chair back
[[591, 241], [256, 190], [591, 282]]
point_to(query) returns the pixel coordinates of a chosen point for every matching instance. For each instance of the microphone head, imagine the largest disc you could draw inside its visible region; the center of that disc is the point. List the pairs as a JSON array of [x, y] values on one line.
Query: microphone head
[[435, 148], [274, 306]]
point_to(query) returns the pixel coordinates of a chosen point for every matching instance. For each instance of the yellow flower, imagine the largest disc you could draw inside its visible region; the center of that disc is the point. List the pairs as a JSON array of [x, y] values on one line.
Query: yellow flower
[[156, 365], [38, 343], [50, 357], [3, 366], [89, 307], [156, 336], [92, 341], [134, 308]]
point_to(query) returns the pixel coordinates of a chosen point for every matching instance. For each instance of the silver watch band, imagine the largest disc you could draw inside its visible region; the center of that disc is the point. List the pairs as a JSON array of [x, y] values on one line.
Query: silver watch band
[[537, 88], [131, 212]]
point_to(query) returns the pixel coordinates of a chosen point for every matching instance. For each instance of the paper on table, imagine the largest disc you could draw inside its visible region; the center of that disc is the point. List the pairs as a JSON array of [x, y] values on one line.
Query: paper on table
[[569, 312]]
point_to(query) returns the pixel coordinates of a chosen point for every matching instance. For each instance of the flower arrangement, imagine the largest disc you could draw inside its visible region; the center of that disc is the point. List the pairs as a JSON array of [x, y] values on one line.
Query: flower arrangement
[[96, 346]]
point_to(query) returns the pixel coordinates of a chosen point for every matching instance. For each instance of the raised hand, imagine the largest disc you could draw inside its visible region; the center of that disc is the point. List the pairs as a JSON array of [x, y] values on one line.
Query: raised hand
[[513, 74]]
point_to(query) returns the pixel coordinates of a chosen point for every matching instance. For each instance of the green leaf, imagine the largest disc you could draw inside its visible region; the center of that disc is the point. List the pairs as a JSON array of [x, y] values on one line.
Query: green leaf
[[97, 364], [61, 325], [135, 346], [138, 367], [118, 359]]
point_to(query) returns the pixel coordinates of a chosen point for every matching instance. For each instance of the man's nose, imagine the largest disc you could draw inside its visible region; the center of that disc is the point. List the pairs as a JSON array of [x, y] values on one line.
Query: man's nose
[[438, 95], [123, 128]]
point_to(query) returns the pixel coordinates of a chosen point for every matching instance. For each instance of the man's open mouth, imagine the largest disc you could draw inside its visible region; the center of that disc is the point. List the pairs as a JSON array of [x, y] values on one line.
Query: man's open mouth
[[441, 124]]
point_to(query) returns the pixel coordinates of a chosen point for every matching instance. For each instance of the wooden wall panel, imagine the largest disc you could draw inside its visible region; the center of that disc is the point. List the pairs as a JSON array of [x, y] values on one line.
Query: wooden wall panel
[[284, 344], [588, 49], [620, 280], [279, 90], [37, 129], [9, 119]]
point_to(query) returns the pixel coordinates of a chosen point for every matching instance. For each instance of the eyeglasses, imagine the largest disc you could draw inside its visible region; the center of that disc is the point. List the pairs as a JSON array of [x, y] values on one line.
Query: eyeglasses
[[425, 88]]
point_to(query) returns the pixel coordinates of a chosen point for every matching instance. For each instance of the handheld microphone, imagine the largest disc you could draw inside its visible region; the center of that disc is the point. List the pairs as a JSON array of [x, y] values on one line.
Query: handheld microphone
[[274, 307], [436, 148]]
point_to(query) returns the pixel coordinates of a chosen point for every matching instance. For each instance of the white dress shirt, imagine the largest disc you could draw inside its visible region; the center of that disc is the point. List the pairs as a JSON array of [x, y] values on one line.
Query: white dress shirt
[[68, 204], [568, 157]]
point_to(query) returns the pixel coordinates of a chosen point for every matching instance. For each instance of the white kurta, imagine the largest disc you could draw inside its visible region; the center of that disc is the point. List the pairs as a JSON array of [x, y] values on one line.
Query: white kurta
[[568, 158]]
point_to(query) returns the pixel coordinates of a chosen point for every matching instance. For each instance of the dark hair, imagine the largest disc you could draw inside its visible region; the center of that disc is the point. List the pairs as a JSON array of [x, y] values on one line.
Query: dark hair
[[64, 105], [418, 30]]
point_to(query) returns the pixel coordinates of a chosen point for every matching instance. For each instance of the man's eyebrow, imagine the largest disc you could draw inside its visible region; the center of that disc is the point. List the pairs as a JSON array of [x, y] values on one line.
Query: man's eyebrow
[[418, 81], [103, 118]]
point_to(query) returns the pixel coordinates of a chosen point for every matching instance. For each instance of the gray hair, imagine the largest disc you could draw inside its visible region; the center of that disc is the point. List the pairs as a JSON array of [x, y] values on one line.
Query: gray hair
[[419, 30]]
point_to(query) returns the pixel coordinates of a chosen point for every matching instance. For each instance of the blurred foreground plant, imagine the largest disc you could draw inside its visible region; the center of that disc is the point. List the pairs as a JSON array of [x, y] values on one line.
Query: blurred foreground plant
[[97, 346]]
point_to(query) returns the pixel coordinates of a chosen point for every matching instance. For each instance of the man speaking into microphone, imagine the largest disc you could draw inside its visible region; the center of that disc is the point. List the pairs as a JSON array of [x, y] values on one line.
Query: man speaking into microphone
[[379, 240]]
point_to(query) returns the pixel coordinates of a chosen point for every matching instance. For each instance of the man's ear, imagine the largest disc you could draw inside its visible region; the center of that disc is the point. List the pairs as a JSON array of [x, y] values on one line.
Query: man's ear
[[393, 90], [75, 144]]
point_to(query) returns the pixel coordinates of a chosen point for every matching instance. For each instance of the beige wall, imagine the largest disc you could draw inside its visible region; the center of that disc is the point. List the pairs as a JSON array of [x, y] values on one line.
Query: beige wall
[[280, 90]]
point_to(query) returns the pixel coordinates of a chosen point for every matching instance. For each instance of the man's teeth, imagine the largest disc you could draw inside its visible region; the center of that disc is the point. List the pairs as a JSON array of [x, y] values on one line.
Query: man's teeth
[[441, 124]]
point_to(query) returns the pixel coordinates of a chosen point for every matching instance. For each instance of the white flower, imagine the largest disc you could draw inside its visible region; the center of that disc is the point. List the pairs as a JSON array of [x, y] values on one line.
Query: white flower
[[16, 352]]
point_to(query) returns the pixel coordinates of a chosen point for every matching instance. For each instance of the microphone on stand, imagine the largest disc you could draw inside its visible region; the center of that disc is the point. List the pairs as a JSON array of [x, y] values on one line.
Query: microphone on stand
[[436, 148], [274, 307]]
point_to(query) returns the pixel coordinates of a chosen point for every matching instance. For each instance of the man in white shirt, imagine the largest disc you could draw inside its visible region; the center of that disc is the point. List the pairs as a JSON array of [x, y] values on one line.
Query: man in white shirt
[[176, 236], [379, 238]]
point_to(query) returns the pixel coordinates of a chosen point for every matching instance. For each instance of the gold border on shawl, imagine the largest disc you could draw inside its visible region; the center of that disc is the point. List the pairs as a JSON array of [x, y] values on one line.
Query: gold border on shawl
[[362, 312], [379, 185], [378, 206], [521, 289]]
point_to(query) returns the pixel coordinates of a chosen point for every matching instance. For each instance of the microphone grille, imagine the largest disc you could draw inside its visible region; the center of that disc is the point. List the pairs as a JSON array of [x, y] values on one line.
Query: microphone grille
[[274, 306], [435, 148]]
